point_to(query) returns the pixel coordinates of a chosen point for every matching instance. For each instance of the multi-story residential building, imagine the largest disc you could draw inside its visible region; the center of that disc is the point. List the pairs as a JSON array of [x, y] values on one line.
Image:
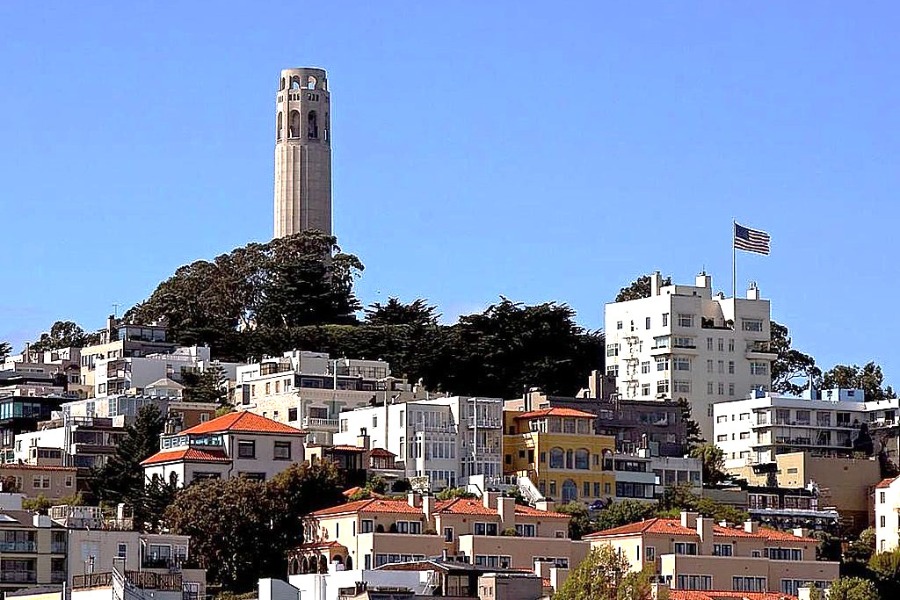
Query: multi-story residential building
[[236, 444], [757, 428], [20, 415], [32, 548], [492, 531], [310, 390], [124, 409], [887, 514], [685, 342], [51, 482], [642, 476], [445, 440], [633, 423], [694, 553], [133, 374], [558, 451], [842, 484], [123, 340], [85, 442]]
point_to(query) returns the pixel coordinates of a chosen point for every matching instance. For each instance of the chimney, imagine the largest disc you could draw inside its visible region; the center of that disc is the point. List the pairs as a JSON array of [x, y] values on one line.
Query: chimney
[[545, 505], [705, 531], [489, 499], [703, 280], [444, 555], [414, 499], [506, 508], [750, 526], [689, 519], [800, 532], [428, 507], [753, 292], [362, 440], [655, 283], [542, 568]]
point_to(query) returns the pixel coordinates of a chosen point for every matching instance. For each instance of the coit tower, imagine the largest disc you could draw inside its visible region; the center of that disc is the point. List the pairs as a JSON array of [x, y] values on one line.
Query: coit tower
[[302, 152]]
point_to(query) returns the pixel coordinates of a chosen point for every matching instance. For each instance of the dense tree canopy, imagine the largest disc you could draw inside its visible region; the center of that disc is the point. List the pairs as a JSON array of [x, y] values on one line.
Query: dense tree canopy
[[64, 334], [792, 370], [713, 459], [605, 574], [853, 588], [5, 350], [209, 385], [393, 312], [868, 378]]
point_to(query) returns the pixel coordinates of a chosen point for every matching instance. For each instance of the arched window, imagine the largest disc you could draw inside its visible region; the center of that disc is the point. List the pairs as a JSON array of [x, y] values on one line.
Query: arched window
[[279, 123], [569, 491], [282, 84], [312, 125], [569, 462], [295, 82], [582, 459], [338, 559], [607, 461], [349, 564], [304, 565], [557, 458], [323, 564], [294, 125], [310, 83]]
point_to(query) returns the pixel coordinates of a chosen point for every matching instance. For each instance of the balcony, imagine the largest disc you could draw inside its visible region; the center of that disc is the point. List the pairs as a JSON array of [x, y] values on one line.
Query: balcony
[[57, 576], [18, 576], [20, 547], [163, 582], [434, 428], [318, 424], [57, 547], [485, 423]]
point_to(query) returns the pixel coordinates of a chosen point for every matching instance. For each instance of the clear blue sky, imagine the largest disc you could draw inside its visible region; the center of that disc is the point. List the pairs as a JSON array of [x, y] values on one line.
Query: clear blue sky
[[539, 151]]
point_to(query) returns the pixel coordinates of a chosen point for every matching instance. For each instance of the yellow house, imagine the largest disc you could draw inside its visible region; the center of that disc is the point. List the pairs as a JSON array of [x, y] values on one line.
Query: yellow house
[[558, 450]]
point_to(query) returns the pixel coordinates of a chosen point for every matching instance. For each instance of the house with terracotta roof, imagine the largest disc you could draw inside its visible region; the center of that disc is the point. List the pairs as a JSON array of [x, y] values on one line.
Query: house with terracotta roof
[[557, 449], [887, 514], [695, 553], [237, 444], [492, 531]]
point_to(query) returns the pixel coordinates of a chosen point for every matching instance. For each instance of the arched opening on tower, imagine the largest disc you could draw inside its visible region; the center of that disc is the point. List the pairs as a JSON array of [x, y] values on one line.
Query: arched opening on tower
[[312, 125], [325, 128], [282, 84], [294, 125], [295, 82], [279, 124], [311, 83]]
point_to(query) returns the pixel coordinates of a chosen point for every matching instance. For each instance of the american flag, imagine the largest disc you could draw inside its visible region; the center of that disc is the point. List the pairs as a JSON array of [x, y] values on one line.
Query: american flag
[[751, 240]]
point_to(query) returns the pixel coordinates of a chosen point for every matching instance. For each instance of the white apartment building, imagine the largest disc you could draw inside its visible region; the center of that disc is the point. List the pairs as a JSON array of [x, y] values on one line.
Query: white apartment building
[[685, 342], [309, 389], [444, 439], [887, 515], [754, 429]]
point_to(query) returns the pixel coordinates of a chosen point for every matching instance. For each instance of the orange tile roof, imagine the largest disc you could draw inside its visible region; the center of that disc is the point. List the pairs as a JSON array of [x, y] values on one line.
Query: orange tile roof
[[369, 505], [347, 448], [885, 483], [26, 467], [381, 452], [556, 412], [727, 595], [243, 421], [187, 455], [673, 527]]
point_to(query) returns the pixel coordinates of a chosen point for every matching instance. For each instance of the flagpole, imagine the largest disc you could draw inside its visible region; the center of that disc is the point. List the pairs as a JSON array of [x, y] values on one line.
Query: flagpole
[[733, 260]]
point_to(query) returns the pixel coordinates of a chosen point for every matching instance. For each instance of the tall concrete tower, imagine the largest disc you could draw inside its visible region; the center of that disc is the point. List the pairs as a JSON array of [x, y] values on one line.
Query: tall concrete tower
[[302, 152]]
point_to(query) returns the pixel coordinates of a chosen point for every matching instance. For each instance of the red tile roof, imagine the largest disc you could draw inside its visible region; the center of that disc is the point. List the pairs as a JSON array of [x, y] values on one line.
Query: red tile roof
[[457, 506], [26, 467], [187, 455], [673, 527], [556, 412], [243, 421], [346, 448], [369, 505], [381, 453], [727, 595], [885, 483]]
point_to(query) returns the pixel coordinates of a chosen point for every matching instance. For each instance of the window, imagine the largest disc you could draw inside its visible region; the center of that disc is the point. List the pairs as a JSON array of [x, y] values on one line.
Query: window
[[612, 370], [709, 387], [881, 499], [709, 344], [721, 438], [645, 389], [745, 435], [282, 451], [662, 386], [882, 521], [246, 449], [645, 367], [485, 529], [721, 389], [292, 414], [665, 319], [649, 553], [731, 345], [647, 323], [681, 363], [731, 389], [731, 367], [618, 326], [721, 345], [682, 387], [660, 341], [557, 458], [722, 366], [723, 550], [752, 325], [686, 548], [122, 551], [694, 582], [448, 534], [525, 530], [709, 365], [612, 349], [374, 421], [582, 461], [759, 367], [366, 526], [685, 320], [343, 425], [748, 584], [744, 417], [662, 363]]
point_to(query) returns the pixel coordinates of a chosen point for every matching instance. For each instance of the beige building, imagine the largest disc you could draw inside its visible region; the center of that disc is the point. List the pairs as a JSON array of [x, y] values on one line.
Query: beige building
[[492, 532], [51, 482], [694, 553], [844, 484], [236, 444], [302, 152], [32, 551]]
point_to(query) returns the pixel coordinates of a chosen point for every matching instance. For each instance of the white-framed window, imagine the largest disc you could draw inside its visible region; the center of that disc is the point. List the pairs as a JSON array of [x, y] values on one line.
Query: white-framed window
[[685, 320], [759, 367], [662, 386], [645, 367], [649, 553], [748, 584], [752, 325], [647, 323], [709, 365], [744, 417], [731, 345], [722, 437], [745, 435], [683, 387], [684, 342], [721, 419], [661, 341], [612, 349], [662, 363], [612, 370], [681, 363], [645, 389], [665, 320], [723, 550]]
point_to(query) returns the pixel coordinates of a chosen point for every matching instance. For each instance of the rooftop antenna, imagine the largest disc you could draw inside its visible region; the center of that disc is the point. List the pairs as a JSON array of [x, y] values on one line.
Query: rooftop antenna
[[115, 310]]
